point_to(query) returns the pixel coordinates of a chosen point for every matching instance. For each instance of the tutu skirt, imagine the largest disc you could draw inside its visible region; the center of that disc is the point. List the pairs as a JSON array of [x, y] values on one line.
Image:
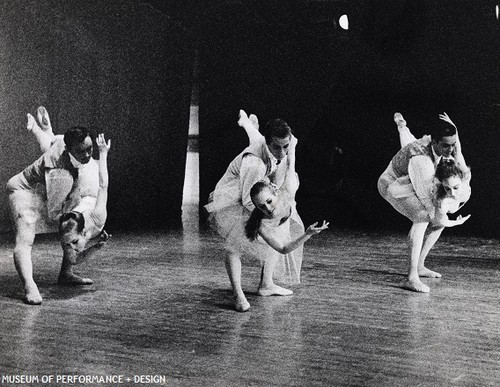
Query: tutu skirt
[[229, 222]]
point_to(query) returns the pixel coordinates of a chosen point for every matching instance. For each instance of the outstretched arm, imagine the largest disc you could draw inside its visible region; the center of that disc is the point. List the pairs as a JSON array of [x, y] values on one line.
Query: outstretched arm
[[291, 181], [457, 154], [272, 240], [443, 221], [102, 193], [78, 257]]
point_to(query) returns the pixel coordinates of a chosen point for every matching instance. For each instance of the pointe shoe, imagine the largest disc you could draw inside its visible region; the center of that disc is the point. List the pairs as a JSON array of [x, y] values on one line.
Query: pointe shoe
[[31, 125], [254, 120], [243, 118], [399, 120], [43, 118]]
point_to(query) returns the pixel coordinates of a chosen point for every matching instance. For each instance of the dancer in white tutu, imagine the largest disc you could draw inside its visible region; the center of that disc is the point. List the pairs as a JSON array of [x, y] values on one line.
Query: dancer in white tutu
[[269, 158], [63, 177], [427, 179]]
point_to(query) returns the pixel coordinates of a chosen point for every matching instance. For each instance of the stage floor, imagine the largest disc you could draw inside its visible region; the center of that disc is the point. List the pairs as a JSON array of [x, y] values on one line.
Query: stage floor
[[161, 306]]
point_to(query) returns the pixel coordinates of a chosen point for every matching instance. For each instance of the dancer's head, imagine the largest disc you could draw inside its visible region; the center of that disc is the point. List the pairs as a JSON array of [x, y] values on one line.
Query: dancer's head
[[72, 230], [444, 138], [265, 200], [278, 136], [78, 142], [450, 178]]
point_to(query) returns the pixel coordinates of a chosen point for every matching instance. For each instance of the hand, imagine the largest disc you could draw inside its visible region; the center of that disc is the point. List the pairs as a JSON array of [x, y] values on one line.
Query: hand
[[103, 238], [461, 220], [312, 229], [102, 145], [446, 118]]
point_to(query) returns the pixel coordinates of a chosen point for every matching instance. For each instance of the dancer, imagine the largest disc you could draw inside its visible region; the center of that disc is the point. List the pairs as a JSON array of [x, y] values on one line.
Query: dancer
[[83, 225], [44, 190], [424, 181], [272, 158], [269, 226]]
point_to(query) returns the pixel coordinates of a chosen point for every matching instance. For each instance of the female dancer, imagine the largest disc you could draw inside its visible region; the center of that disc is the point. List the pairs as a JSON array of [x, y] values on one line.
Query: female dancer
[[84, 225], [228, 215], [426, 193]]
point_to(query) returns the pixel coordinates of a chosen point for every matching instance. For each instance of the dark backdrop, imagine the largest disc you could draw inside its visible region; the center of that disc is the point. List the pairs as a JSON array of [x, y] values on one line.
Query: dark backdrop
[[122, 67], [339, 90]]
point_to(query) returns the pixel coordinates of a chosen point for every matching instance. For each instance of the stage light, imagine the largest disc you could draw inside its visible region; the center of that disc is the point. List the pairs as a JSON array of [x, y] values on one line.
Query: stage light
[[497, 11], [344, 22]]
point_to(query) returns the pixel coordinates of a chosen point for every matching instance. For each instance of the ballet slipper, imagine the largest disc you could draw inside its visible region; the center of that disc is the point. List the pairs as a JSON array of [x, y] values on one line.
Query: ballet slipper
[[424, 272], [254, 120], [43, 118], [243, 119], [399, 120], [416, 285], [73, 280], [274, 290], [241, 304], [32, 295], [31, 125]]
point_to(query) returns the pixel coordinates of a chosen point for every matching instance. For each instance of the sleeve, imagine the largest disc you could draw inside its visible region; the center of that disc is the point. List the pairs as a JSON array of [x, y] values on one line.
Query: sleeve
[[252, 170], [421, 172]]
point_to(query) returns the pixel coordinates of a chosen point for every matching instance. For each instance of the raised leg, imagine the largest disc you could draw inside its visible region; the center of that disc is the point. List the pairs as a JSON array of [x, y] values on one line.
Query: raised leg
[[233, 268], [251, 126], [267, 287], [415, 242], [44, 140], [25, 236], [405, 136], [431, 239]]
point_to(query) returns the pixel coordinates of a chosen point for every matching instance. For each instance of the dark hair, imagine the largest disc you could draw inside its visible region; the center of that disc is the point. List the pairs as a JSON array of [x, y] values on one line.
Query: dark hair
[[76, 135], [276, 128], [253, 224], [70, 221], [445, 169], [442, 129]]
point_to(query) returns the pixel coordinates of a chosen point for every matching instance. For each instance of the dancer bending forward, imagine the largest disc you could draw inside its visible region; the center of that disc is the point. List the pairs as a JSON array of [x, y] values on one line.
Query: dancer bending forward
[[270, 158], [64, 176], [426, 180]]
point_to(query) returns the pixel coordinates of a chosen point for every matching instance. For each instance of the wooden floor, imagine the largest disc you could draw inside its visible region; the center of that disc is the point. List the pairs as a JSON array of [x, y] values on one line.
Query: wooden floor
[[161, 307]]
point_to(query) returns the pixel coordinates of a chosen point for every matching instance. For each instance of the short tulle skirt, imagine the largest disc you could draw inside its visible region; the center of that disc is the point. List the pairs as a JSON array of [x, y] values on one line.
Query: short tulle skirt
[[229, 222]]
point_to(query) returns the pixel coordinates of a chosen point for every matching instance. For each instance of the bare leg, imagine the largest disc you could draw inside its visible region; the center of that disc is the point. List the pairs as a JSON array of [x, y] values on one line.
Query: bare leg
[[405, 136], [429, 242], [233, 268], [25, 236], [267, 287], [251, 126], [415, 242], [66, 275], [44, 140]]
